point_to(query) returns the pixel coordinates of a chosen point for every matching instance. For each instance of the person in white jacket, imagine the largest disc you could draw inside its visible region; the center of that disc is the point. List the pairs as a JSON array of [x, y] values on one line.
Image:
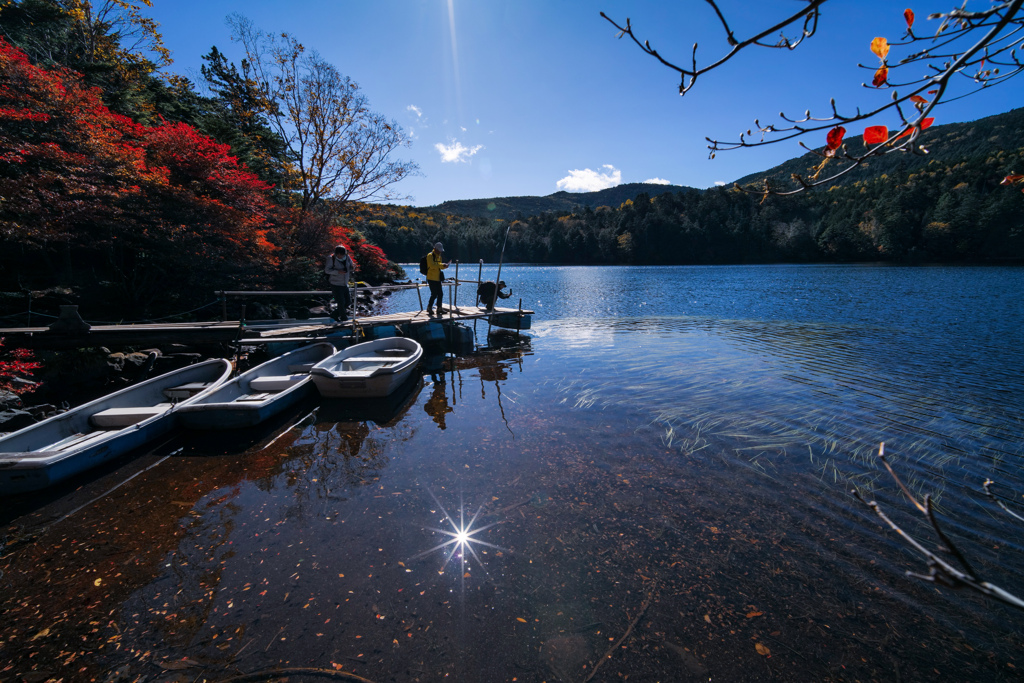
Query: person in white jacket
[[340, 269]]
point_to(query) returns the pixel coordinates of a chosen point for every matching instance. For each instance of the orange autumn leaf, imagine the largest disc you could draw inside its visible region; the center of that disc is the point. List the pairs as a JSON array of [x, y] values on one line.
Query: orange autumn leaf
[[762, 649], [908, 14], [881, 76], [874, 135], [1011, 179], [880, 46], [835, 137], [917, 99]]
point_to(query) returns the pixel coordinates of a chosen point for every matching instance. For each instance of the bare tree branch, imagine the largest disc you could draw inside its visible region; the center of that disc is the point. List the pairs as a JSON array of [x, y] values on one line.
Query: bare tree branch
[[991, 59], [939, 570]]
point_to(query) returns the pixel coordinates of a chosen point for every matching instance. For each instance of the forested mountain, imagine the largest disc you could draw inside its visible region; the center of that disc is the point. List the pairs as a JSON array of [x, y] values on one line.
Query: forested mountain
[[136, 193], [945, 143], [948, 206], [509, 208]]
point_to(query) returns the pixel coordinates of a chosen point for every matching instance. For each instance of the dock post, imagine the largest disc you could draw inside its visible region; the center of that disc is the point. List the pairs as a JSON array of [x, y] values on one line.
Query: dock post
[[419, 295], [30, 308], [519, 319], [223, 305], [450, 305], [455, 301], [479, 279], [355, 305]]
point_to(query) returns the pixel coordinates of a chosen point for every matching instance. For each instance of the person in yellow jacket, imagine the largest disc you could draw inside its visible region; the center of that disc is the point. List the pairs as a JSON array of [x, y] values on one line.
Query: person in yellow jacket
[[435, 264]]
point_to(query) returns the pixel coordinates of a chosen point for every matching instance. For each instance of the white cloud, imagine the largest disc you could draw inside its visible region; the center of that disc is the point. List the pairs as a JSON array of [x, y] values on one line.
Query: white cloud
[[720, 183], [587, 180], [456, 151], [415, 110], [657, 181]]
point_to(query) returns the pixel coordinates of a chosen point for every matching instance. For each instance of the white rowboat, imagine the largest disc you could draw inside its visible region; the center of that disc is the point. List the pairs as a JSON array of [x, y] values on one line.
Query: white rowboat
[[257, 394], [93, 433], [369, 370]]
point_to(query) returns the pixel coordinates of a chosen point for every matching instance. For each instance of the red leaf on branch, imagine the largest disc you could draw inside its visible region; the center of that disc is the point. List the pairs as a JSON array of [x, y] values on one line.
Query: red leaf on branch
[[835, 137], [924, 124], [908, 14], [874, 135], [881, 76], [880, 46], [917, 99]]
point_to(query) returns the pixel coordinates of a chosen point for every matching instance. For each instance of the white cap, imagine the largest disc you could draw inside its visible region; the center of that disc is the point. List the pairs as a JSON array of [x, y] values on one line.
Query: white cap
[[438, 246]]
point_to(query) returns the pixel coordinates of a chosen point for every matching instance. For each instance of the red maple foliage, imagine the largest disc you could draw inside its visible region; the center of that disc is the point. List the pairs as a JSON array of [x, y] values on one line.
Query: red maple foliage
[[14, 364], [155, 211]]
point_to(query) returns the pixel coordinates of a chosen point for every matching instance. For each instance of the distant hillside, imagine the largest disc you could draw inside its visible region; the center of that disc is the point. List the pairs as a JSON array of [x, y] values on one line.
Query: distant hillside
[[507, 208], [944, 143]]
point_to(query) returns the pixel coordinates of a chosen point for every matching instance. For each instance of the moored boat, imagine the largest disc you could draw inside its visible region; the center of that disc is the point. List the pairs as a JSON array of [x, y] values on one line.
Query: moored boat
[[369, 370], [257, 394], [93, 433]]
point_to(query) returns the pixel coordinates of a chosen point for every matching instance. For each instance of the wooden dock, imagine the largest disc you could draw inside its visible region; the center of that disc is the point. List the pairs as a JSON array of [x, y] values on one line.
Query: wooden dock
[[224, 332], [452, 314]]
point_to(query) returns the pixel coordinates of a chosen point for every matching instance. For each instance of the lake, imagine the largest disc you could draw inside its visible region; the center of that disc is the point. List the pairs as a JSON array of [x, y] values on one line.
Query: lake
[[652, 483]]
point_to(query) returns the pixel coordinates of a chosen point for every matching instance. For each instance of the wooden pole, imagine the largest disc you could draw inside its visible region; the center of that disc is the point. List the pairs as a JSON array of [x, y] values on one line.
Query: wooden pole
[[479, 279], [355, 301], [497, 279], [419, 295], [455, 301]]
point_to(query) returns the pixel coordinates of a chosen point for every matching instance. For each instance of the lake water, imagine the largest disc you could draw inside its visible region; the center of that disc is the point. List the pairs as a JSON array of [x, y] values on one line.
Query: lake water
[[654, 482]]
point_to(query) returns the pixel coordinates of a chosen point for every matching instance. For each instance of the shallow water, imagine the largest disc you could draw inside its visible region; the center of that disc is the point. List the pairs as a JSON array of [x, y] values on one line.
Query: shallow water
[[655, 484]]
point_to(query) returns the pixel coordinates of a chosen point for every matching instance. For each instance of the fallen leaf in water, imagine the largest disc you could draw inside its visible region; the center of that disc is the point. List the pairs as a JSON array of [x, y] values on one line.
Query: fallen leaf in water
[[751, 615], [44, 632], [762, 650], [97, 582], [521, 619], [707, 618]]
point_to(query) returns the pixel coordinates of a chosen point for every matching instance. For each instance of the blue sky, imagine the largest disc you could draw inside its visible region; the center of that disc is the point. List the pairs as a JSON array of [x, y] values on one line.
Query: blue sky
[[528, 97]]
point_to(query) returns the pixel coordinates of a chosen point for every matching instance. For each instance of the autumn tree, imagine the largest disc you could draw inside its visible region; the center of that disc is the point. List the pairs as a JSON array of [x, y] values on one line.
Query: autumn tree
[[112, 43], [970, 49], [340, 149], [143, 216]]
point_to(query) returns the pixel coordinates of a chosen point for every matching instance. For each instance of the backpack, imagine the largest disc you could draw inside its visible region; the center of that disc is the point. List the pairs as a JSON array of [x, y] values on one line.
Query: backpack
[[423, 265]]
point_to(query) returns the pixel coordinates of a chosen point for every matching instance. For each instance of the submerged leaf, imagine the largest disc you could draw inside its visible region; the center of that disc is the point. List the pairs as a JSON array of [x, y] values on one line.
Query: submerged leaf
[[762, 649]]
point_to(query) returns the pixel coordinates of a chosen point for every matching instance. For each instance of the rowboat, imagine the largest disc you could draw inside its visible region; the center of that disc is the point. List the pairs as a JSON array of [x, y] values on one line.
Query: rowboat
[[369, 370], [257, 394], [93, 433]]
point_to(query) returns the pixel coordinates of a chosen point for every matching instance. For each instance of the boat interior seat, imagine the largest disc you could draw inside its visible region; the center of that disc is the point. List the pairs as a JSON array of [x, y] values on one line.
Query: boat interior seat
[[373, 359], [300, 367], [75, 441], [276, 382], [361, 373], [113, 418], [185, 390]]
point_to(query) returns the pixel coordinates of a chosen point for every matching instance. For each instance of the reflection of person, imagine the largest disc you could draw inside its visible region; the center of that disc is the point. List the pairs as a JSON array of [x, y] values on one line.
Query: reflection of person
[[487, 290], [435, 265], [437, 405], [339, 268]]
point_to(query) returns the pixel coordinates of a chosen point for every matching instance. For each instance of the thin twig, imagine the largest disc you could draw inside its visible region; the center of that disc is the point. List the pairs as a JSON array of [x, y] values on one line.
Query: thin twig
[[632, 624]]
